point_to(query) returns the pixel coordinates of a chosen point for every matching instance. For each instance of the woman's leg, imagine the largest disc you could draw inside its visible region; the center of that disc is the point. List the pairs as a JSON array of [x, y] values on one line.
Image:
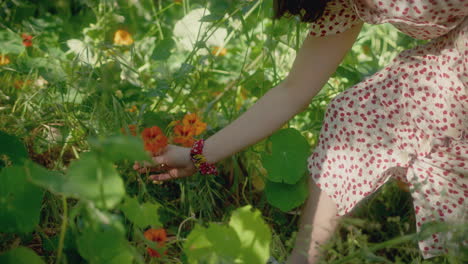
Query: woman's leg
[[317, 224]]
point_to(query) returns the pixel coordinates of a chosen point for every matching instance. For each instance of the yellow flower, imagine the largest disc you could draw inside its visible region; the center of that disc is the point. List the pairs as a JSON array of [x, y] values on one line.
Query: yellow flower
[[4, 60], [122, 37]]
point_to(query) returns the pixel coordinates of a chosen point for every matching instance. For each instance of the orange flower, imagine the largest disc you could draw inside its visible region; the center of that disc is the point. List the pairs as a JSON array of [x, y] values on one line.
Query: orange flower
[[27, 40], [156, 235], [194, 121], [178, 1], [218, 51], [4, 60], [131, 128], [132, 109], [184, 135], [154, 140], [122, 37], [19, 83]]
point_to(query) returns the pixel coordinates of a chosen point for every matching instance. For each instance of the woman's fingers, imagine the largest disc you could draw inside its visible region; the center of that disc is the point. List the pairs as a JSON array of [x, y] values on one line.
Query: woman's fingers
[[171, 174]]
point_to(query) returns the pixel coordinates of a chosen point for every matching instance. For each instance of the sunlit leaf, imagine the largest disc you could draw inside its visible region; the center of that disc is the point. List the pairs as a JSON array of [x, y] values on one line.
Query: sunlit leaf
[[212, 245], [254, 235]]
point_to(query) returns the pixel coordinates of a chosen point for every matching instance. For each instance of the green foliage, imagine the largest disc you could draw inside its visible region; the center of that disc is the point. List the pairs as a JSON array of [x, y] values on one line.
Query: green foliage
[[12, 147], [287, 196], [288, 159], [20, 201], [245, 240], [116, 148], [142, 215], [20, 255], [107, 245], [95, 179]]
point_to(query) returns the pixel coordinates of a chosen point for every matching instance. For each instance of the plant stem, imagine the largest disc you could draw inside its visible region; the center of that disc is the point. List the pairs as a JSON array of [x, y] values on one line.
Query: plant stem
[[63, 229]]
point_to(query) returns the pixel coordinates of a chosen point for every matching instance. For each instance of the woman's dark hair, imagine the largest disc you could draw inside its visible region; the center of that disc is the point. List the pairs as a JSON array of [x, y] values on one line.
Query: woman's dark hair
[[307, 10]]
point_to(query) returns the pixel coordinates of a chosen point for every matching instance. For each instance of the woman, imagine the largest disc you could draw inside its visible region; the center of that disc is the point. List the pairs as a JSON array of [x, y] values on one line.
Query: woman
[[408, 120]]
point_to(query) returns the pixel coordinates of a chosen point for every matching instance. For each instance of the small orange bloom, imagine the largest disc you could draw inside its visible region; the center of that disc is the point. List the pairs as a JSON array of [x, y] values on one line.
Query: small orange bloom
[[132, 128], [154, 140], [123, 37], [4, 60], [178, 1], [194, 121], [218, 51], [132, 109], [184, 135], [19, 83], [27, 40], [156, 235]]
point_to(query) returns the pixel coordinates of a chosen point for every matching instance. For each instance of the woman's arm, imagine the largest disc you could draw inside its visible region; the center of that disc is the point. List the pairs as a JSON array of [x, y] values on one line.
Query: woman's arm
[[317, 59]]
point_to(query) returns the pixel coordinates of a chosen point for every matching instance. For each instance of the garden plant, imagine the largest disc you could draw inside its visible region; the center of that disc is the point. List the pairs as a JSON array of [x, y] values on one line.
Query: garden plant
[[91, 89]]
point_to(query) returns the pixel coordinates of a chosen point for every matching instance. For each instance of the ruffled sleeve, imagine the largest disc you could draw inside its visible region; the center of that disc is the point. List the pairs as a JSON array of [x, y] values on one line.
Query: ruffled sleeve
[[337, 17]]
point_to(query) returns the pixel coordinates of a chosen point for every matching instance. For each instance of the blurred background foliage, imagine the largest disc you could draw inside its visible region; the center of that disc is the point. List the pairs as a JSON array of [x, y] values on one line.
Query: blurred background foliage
[[96, 66]]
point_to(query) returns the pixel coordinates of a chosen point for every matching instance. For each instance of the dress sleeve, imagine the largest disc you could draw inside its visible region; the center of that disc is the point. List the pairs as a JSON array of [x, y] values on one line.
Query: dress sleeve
[[337, 17]]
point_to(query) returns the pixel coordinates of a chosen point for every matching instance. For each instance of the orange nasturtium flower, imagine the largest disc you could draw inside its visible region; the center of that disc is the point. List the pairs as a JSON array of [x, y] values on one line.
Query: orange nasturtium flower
[[4, 60], [183, 135], [156, 235], [19, 83], [194, 121], [132, 109], [27, 40], [218, 51], [154, 140], [131, 128], [123, 37]]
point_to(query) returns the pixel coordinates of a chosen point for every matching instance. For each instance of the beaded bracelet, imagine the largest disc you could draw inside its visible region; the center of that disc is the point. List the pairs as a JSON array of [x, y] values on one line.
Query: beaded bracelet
[[200, 161]]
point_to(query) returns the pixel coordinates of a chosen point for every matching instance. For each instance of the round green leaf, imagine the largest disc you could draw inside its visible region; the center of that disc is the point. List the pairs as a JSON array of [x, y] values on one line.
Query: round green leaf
[[20, 201], [254, 235], [142, 215], [213, 245], [288, 160], [105, 246], [286, 196], [94, 179], [20, 255]]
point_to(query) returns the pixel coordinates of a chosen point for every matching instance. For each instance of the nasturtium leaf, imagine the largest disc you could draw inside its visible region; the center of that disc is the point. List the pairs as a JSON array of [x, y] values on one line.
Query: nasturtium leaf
[[163, 49], [50, 180], [94, 179], [20, 201], [286, 196], [119, 147], [104, 246], [288, 160], [212, 245], [20, 255], [10, 43], [254, 235], [142, 215], [13, 148]]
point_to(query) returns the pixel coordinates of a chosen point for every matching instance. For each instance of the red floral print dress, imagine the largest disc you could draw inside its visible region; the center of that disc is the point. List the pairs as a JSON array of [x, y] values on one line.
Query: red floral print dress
[[408, 121]]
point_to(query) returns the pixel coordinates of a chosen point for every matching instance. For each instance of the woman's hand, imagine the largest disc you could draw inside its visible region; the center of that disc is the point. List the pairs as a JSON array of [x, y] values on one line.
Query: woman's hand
[[174, 162]]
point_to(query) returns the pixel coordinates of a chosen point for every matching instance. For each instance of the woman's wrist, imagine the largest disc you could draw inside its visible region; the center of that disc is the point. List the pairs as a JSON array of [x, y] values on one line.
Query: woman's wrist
[[199, 159]]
